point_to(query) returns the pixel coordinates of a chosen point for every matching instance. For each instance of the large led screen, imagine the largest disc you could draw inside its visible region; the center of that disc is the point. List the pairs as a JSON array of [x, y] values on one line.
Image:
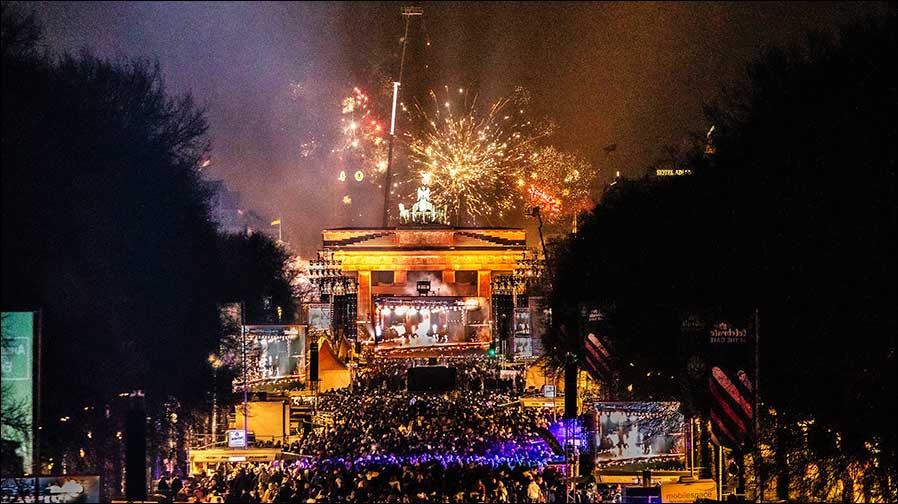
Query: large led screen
[[430, 320], [51, 489], [639, 430], [274, 352]]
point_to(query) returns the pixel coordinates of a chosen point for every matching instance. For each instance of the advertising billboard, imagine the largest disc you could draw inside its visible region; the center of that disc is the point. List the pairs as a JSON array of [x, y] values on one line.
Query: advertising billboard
[[731, 342], [16, 379], [522, 321], [639, 430], [236, 438], [54, 489]]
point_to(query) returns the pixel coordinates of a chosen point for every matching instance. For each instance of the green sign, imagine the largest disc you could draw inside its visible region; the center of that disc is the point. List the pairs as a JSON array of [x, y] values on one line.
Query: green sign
[[16, 379]]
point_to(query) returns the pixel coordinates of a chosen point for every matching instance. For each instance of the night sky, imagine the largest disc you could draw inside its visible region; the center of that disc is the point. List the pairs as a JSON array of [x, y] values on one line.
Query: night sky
[[272, 74]]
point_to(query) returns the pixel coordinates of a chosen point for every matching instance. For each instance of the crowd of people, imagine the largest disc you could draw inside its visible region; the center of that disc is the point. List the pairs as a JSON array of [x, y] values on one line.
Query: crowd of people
[[383, 444], [377, 480], [472, 373], [461, 424]]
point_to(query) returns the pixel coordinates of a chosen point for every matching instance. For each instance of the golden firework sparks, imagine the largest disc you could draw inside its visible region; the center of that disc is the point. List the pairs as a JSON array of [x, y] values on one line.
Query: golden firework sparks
[[559, 182], [473, 155]]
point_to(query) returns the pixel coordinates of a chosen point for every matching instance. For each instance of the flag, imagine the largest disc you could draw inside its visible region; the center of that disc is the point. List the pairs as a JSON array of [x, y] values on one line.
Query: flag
[[732, 412], [598, 357], [730, 382], [276, 222], [596, 350]]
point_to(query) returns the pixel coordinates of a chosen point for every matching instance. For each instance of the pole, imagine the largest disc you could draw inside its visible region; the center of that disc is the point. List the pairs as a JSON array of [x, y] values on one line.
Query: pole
[[536, 212], [388, 178], [36, 407], [692, 447], [280, 236], [720, 472], [759, 474], [245, 383], [215, 405], [407, 13]]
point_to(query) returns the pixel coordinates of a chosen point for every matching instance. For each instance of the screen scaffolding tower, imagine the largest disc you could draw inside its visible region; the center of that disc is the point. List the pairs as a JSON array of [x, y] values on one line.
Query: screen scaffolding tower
[[571, 458]]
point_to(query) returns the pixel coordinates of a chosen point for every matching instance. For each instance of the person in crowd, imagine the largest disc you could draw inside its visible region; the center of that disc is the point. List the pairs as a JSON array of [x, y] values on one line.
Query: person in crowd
[[162, 487], [176, 486], [215, 497]]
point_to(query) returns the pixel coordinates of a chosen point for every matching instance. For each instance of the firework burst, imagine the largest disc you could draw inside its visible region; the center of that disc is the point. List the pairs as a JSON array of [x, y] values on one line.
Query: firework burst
[[473, 156], [362, 148], [562, 184]]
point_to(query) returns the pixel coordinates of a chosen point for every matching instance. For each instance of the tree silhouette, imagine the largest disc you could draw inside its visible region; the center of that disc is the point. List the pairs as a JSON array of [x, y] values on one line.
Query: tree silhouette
[[792, 210], [105, 228], [260, 273]]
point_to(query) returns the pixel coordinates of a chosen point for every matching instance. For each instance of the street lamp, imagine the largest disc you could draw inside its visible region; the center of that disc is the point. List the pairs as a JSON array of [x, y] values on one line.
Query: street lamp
[[216, 363]]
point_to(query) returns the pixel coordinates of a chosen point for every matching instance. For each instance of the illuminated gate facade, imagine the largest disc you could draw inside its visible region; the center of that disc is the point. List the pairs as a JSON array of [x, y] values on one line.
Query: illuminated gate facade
[[407, 263]]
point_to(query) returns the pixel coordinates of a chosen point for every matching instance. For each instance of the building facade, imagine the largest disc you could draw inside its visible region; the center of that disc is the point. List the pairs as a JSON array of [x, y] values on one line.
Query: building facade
[[425, 270]]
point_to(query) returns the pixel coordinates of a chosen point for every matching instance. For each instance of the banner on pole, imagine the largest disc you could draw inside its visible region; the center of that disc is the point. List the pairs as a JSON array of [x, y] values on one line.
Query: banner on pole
[[731, 374], [596, 347]]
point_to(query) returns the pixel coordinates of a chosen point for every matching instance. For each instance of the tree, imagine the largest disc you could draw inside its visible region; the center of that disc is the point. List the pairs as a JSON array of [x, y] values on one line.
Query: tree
[[260, 273], [106, 228], [21, 33], [826, 237], [792, 211]]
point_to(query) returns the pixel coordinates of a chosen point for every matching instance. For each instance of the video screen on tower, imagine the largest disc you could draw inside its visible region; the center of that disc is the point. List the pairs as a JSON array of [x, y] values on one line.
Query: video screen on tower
[[639, 430], [274, 353]]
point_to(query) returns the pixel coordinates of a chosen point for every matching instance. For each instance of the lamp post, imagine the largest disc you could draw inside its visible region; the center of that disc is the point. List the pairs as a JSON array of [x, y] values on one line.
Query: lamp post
[[215, 362]]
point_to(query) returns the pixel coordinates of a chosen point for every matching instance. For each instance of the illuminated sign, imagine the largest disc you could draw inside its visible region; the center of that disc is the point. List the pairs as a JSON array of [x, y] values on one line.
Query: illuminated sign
[[672, 172], [689, 492], [639, 430], [236, 438]]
